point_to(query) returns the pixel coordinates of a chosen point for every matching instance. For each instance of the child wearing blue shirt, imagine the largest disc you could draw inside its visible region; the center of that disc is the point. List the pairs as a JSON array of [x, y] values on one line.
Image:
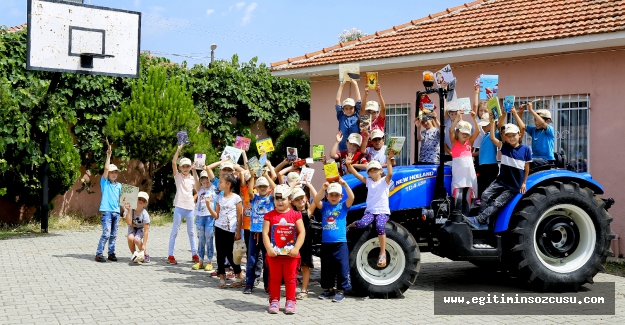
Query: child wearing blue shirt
[[109, 209], [334, 253], [543, 136], [348, 114]]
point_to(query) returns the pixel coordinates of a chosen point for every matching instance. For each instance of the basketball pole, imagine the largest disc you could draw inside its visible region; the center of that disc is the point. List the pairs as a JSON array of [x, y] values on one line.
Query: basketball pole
[[45, 211]]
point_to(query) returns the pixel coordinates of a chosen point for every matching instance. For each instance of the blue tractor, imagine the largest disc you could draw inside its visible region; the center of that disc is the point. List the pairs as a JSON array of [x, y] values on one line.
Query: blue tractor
[[556, 236]]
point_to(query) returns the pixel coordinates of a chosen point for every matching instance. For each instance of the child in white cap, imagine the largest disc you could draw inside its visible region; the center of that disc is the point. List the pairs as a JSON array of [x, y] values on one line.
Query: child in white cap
[[348, 114], [300, 202], [204, 221], [354, 141], [377, 150], [109, 209], [377, 112], [377, 209], [183, 206], [462, 168], [543, 134], [138, 221]]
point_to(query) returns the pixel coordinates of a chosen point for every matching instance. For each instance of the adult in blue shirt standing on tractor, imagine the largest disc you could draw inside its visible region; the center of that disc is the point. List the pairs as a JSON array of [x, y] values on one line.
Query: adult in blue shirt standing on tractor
[[543, 135]]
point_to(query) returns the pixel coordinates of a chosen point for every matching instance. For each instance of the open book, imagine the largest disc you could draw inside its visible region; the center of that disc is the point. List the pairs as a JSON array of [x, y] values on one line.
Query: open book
[[283, 237], [231, 153], [396, 144], [130, 194]]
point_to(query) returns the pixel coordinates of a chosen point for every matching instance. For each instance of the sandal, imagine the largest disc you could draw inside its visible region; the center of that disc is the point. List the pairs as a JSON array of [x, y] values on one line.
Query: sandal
[[222, 283], [238, 282], [382, 261], [302, 295]]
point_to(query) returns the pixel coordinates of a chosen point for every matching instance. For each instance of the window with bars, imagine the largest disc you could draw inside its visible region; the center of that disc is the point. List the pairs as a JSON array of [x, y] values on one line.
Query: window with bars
[[570, 118], [398, 125]]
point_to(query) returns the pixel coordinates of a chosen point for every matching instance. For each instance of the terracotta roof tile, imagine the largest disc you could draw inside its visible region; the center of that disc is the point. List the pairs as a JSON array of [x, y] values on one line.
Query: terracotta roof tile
[[476, 24], [16, 28]]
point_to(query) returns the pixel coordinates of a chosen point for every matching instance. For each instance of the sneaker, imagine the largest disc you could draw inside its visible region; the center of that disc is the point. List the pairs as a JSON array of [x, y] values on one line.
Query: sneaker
[[339, 296], [229, 275], [146, 259], [112, 257], [195, 258], [474, 223], [247, 290], [326, 294], [133, 257], [172, 260], [197, 266], [100, 258], [214, 273], [209, 267], [289, 308], [274, 306]]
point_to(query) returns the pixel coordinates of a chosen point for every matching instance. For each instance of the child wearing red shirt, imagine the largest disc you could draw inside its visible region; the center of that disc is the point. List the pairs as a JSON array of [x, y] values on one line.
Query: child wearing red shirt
[[282, 266]]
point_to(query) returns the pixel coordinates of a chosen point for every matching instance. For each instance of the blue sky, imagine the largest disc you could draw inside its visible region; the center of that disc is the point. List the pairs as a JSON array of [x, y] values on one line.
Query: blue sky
[[272, 30]]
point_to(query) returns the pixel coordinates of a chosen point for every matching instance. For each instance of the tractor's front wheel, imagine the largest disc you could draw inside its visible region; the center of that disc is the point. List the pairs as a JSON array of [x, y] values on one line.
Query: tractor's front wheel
[[560, 237], [402, 262]]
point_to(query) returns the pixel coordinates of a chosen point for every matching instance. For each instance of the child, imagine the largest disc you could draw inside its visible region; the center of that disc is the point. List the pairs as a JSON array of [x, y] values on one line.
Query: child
[[543, 136], [515, 168], [354, 142], [261, 204], [429, 134], [376, 151], [183, 205], [204, 221], [109, 209], [138, 221], [488, 166], [377, 112], [348, 115], [334, 253], [462, 168], [301, 204], [452, 115], [227, 212], [283, 267], [377, 200]]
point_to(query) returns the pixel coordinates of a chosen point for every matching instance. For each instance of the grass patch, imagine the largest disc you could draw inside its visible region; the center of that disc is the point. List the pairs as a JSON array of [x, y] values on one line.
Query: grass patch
[[614, 268], [160, 218]]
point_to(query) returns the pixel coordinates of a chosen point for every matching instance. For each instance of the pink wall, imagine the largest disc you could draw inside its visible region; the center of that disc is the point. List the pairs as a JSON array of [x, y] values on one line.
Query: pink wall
[[598, 74]]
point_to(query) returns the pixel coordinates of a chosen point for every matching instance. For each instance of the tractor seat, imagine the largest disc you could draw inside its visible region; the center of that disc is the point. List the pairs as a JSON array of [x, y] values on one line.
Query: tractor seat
[[540, 164]]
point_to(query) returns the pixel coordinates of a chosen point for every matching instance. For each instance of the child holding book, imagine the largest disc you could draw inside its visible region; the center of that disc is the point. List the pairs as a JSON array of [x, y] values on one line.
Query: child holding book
[[109, 209], [543, 135], [227, 212], [452, 115], [334, 252], [183, 205], [429, 134], [300, 203], [378, 186], [138, 221], [377, 112], [463, 178], [348, 114], [204, 221], [283, 267], [515, 168], [354, 141], [377, 150]]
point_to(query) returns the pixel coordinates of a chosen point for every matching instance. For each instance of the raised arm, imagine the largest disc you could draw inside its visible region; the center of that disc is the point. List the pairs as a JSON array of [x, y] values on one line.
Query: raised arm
[[339, 93], [493, 138], [174, 161], [245, 160], [127, 215], [476, 97], [350, 194], [272, 184], [519, 121], [335, 147], [313, 191], [364, 99], [365, 139], [435, 120], [476, 130], [350, 167], [107, 163], [209, 170], [195, 178], [389, 167], [538, 121], [317, 202], [250, 188], [272, 171], [355, 86], [281, 165], [452, 137], [382, 104]]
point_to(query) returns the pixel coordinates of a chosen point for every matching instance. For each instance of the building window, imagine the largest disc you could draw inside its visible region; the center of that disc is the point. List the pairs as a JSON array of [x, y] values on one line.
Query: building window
[[571, 122], [398, 125]]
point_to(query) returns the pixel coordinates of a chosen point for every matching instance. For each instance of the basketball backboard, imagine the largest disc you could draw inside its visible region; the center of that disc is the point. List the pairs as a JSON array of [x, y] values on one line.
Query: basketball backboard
[[79, 38]]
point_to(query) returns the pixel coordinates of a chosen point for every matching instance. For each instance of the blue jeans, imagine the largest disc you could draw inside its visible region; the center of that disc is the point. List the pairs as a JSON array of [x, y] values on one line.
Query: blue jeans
[[335, 266], [255, 261], [109, 232], [205, 227], [180, 214]]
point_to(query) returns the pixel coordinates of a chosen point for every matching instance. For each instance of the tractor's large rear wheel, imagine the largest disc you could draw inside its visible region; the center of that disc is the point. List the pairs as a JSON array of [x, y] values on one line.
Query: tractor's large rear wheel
[[560, 237], [403, 261]]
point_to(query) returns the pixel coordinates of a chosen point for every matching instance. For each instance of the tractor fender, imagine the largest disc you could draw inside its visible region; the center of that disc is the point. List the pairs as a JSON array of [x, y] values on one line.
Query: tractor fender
[[538, 179]]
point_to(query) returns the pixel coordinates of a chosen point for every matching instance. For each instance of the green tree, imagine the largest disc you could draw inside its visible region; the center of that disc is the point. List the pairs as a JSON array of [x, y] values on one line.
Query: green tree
[[145, 126], [295, 138]]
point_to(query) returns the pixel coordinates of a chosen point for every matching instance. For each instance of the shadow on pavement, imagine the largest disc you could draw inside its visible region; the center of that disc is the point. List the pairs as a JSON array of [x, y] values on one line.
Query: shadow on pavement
[[240, 305]]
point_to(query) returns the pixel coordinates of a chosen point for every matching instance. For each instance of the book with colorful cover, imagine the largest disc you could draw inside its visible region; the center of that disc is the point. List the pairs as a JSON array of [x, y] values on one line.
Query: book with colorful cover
[[231, 153], [283, 237], [130, 194], [255, 166], [365, 121], [263, 159], [242, 143], [317, 151], [291, 153], [426, 106], [508, 103], [199, 160], [264, 146], [348, 71], [494, 109], [331, 171], [306, 175], [489, 86], [183, 137], [372, 80], [444, 75], [396, 144], [465, 105]]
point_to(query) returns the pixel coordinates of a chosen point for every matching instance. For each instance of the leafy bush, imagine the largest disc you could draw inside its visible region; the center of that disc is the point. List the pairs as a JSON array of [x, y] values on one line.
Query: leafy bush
[[294, 137]]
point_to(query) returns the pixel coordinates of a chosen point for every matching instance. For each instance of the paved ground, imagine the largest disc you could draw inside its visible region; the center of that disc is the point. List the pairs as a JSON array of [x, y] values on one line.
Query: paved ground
[[53, 280]]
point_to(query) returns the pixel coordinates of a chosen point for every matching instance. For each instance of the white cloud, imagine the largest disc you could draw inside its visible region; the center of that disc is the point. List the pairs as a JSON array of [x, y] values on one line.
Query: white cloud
[[137, 3], [209, 12], [240, 5], [248, 13]]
